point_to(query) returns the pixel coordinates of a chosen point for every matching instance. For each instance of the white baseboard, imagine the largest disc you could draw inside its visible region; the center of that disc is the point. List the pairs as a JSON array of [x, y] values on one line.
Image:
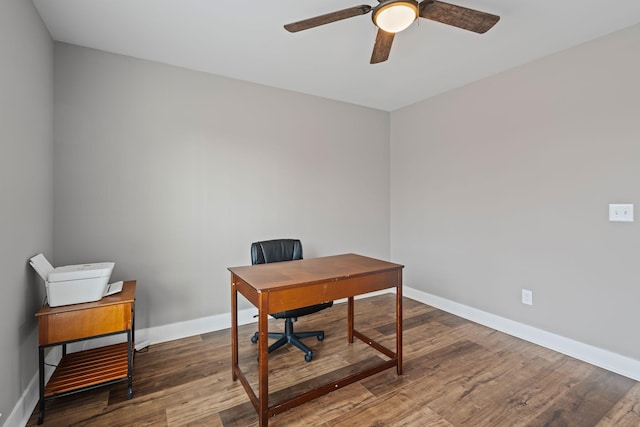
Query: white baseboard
[[174, 331], [596, 356], [602, 358], [21, 413]]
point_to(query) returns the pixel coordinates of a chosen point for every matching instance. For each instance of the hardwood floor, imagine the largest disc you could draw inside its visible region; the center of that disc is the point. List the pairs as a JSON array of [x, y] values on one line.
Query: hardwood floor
[[457, 373]]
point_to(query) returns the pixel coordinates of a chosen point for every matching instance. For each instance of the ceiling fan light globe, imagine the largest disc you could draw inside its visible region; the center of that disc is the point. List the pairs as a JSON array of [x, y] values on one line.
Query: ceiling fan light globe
[[396, 15]]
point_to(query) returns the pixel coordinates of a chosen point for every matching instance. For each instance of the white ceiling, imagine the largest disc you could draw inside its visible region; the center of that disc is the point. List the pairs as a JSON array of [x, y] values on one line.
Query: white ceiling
[[244, 39]]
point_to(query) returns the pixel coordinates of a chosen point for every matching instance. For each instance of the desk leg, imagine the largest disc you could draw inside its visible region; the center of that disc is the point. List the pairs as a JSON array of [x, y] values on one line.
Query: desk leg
[[263, 360], [41, 382], [234, 329], [350, 315], [399, 323]]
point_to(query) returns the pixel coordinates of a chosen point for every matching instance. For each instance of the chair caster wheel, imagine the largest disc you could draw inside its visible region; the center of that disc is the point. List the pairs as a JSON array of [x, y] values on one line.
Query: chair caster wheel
[[320, 337], [308, 357], [254, 339]]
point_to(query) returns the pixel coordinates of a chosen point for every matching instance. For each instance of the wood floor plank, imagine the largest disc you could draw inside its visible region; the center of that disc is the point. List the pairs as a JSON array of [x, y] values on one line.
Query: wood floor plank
[[400, 410], [75, 409], [589, 401], [456, 373], [626, 412]]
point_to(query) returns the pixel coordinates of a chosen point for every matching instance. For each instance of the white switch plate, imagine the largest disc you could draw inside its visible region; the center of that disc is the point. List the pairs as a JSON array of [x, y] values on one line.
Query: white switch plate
[[527, 297], [622, 213]]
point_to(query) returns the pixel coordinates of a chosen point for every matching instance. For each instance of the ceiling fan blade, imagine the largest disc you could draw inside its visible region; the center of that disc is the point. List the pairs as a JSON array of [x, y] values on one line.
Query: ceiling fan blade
[[458, 16], [382, 46], [327, 18]]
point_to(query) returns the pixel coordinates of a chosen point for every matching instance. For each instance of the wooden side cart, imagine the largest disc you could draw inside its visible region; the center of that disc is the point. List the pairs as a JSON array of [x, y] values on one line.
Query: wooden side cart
[[88, 369]]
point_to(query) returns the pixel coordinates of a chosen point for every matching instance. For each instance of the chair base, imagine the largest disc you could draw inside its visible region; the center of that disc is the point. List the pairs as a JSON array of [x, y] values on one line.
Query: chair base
[[290, 337]]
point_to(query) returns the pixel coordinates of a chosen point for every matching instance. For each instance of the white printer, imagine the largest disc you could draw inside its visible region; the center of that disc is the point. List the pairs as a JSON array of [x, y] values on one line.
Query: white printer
[[74, 284]]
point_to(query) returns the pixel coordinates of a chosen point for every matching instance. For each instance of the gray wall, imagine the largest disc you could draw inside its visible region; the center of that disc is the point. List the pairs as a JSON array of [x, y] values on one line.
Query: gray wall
[[26, 112], [505, 184], [173, 173]]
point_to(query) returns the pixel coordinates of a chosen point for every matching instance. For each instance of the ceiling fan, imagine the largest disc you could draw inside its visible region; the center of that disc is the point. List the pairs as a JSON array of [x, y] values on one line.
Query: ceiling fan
[[392, 16]]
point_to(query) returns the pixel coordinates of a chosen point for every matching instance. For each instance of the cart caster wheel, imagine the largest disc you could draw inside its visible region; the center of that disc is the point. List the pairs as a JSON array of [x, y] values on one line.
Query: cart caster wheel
[[321, 337], [130, 394], [254, 338], [308, 357]]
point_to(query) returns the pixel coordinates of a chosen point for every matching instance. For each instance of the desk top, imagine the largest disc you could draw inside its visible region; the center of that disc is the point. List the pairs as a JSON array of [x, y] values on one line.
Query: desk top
[[280, 275], [127, 294]]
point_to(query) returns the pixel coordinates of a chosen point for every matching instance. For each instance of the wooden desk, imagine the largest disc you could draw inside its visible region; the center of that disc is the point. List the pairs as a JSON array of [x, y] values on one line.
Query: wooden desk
[[286, 285], [88, 369]]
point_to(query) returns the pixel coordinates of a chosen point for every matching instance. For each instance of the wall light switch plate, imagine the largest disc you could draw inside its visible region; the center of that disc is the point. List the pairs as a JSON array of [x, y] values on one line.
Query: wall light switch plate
[[623, 213]]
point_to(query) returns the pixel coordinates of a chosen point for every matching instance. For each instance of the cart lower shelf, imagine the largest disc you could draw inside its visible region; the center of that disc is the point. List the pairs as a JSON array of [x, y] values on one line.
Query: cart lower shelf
[[89, 368]]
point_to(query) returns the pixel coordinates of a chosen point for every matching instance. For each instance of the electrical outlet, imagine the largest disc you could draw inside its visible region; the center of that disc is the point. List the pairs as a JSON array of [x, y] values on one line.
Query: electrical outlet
[[623, 213], [527, 297]]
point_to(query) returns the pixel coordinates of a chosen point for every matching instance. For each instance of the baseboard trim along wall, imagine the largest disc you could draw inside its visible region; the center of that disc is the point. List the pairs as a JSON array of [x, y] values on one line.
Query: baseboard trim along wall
[[158, 334], [596, 356], [20, 414]]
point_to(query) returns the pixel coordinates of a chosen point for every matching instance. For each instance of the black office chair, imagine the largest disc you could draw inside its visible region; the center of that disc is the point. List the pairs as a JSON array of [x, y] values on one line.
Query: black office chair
[[278, 251]]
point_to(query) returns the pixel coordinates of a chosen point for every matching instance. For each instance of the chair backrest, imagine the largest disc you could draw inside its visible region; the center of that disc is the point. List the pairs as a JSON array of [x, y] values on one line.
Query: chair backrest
[[276, 251]]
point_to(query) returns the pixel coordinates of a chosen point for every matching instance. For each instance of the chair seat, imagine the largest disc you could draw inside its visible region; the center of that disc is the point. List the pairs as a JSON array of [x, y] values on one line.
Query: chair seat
[[303, 311]]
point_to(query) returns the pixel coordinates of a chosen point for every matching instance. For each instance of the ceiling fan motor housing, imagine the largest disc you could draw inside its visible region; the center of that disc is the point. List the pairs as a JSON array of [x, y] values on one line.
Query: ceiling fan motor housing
[[394, 16]]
